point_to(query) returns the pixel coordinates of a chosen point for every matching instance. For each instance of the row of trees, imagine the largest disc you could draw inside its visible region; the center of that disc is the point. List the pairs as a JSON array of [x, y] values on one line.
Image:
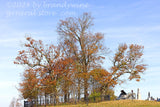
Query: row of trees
[[75, 64]]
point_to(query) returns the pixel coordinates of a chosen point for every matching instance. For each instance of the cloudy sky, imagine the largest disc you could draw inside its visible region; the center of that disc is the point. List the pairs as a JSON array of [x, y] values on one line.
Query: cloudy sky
[[122, 21]]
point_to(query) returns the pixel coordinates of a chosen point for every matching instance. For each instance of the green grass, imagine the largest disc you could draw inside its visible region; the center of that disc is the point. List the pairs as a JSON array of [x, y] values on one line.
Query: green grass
[[120, 103]]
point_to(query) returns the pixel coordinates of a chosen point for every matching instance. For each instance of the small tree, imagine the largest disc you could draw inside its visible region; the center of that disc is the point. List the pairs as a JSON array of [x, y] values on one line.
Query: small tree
[[29, 84], [15, 103], [12, 104]]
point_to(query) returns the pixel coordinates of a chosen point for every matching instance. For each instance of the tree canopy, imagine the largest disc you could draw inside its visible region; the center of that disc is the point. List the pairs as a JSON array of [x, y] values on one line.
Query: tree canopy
[[74, 66]]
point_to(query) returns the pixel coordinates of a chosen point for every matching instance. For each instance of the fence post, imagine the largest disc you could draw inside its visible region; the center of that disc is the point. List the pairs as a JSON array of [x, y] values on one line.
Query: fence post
[[132, 94], [94, 98], [87, 99]]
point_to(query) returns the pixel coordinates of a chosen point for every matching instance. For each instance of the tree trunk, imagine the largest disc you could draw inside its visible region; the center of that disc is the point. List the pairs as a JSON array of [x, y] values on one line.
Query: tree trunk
[[65, 97], [45, 99], [79, 90], [54, 99], [85, 89], [68, 96], [85, 82]]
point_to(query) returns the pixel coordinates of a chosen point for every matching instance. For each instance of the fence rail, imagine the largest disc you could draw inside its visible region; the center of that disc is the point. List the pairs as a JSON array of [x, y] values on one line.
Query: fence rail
[[47, 102]]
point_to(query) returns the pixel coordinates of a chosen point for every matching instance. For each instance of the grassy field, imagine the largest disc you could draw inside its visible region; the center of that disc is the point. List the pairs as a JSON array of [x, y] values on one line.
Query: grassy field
[[121, 103]]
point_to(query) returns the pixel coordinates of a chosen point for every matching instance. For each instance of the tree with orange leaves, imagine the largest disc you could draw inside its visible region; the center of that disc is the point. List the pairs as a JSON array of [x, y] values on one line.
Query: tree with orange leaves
[[125, 61], [28, 84], [83, 45], [102, 79], [76, 62], [87, 49], [128, 61], [41, 60]]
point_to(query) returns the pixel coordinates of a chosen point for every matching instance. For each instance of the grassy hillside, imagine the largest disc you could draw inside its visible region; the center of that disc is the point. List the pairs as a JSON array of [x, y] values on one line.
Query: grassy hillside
[[121, 103]]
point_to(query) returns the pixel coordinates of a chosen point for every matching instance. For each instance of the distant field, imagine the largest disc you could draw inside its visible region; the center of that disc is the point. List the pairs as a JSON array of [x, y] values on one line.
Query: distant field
[[121, 103]]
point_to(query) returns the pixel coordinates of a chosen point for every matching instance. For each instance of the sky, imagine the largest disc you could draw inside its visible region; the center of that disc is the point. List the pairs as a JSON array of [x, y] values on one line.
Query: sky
[[121, 21]]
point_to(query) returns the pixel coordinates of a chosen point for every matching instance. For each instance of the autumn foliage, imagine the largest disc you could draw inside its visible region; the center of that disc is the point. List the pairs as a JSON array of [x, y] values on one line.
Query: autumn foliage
[[74, 66]]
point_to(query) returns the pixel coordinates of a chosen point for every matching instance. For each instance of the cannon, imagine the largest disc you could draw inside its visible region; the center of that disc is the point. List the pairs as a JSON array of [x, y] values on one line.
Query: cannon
[[123, 95]]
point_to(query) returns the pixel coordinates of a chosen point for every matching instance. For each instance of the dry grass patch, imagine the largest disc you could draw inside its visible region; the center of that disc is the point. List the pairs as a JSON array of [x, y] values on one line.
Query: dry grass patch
[[119, 103]]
